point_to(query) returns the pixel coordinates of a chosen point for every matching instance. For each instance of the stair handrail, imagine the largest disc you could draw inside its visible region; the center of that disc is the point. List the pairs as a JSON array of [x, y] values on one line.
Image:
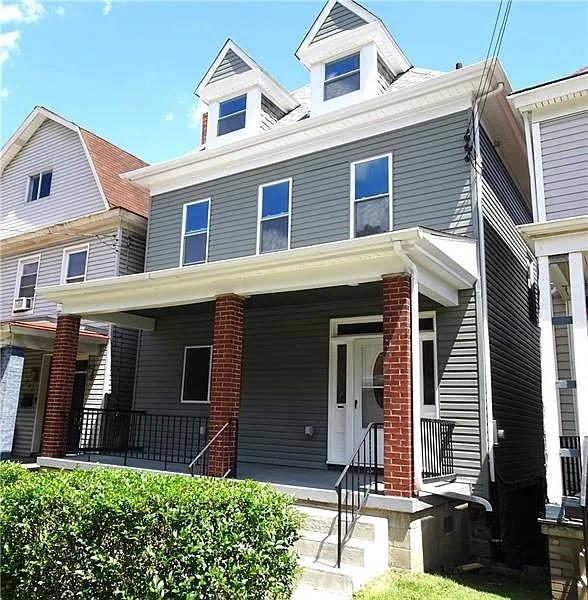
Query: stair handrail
[[372, 478], [209, 444]]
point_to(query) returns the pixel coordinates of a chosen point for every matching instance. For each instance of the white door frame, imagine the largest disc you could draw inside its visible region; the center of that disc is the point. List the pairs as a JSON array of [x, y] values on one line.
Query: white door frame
[[333, 447], [429, 336], [41, 401]]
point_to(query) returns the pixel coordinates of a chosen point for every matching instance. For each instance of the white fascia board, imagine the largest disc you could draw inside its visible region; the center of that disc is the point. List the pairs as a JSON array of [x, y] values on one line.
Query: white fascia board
[[28, 127], [531, 231], [550, 92], [561, 244], [445, 94], [348, 41], [347, 262], [354, 7], [232, 86]]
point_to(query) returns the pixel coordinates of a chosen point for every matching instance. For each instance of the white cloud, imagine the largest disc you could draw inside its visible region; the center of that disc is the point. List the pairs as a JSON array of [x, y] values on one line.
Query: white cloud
[[106, 7], [24, 11], [169, 117], [195, 114], [8, 44], [4, 92], [59, 11]]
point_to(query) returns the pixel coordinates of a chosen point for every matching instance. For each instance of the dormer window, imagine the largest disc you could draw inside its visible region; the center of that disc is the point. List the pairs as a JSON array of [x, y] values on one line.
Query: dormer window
[[342, 76], [231, 115]]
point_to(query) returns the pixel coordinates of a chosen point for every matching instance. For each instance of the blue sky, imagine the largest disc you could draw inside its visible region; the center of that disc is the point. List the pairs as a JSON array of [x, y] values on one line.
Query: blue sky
[[127, 70]]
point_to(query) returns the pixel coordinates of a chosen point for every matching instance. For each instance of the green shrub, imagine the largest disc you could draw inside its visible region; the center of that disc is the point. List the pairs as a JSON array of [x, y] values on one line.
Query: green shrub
[[103, 534]]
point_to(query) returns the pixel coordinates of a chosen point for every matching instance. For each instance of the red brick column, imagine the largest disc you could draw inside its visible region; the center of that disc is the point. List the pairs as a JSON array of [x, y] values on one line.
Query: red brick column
[[60, 390], [398, 442], [225, 386]]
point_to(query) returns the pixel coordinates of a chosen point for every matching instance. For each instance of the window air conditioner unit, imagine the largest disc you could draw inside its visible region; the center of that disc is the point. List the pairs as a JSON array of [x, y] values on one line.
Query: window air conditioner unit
[[22, 304]]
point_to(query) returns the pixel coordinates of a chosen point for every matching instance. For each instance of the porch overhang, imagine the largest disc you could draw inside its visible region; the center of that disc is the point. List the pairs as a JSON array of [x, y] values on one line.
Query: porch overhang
[[445, 264], [39, 335]]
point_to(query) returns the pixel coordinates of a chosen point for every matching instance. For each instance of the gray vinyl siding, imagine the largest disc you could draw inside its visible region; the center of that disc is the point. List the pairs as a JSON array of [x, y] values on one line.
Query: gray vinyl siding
[[285, 371], [101, 263], [339, 19], [230, 65], [270, 113], [564, 152], [431, 188], [562, 338], [158, 380], [385, 76], [514, 340], [74, 192], [131, 252]]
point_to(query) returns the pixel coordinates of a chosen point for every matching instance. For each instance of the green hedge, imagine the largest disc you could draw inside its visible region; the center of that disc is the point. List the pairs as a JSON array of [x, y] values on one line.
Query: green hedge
[[103, 534]]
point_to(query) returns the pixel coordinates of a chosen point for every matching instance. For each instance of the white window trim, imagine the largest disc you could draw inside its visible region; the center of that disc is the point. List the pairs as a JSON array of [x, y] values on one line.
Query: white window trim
[[348, 74], [352, 191], [182, 401], [183, 231], [65, 261], [244, 112], [430, 336], [28, 186], [21, 263], [260, 220]]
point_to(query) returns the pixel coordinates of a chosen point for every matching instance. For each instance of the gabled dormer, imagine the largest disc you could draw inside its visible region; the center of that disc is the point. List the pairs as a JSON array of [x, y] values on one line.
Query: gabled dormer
[[351, 56], [243, 100]]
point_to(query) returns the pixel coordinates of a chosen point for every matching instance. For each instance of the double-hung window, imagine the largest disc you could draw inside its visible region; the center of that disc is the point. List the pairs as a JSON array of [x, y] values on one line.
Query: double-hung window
[[342, 76], [28, 272], [39, 185], [371, 196], [75, 263], [196, 374], [274, 216], [231, 115], [195, 232]]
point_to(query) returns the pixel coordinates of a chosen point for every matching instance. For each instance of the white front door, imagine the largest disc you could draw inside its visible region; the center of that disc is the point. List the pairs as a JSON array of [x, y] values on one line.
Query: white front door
[[368, 397]]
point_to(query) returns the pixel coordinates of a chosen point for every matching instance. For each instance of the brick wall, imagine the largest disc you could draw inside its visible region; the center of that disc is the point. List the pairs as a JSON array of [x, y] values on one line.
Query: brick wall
[[203, 128], [60, 389], [398, 442], [225, 387]]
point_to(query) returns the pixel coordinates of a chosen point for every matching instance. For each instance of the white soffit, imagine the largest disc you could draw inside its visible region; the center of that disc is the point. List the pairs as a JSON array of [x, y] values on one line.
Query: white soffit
[[446, 264]]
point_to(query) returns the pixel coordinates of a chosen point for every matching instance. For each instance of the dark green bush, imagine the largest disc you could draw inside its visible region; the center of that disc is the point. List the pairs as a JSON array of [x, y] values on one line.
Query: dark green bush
[[103, 534]]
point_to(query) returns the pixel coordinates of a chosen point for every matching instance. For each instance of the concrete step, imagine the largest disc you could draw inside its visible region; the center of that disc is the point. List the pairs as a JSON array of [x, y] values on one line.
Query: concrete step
[[325, 521], [320, 578], [307, 592], [323, 548]]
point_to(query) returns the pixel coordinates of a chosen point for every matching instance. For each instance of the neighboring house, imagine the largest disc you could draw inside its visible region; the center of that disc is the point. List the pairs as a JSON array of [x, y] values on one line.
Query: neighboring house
[[65, 217], [556, 125], [335, 272]]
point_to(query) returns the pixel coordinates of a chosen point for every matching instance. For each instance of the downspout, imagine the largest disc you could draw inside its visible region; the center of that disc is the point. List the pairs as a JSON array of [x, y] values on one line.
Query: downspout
[[480, 289], [416, 392]]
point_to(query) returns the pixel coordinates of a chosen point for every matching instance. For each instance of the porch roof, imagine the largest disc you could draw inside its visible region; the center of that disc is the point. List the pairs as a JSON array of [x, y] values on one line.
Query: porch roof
[[39, 335], [445, 264]]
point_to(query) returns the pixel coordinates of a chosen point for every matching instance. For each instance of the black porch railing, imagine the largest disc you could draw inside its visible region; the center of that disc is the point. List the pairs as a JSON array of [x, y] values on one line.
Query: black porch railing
[[571, 464], [137, 436], [224, 462], [357, 480], [437, 449]]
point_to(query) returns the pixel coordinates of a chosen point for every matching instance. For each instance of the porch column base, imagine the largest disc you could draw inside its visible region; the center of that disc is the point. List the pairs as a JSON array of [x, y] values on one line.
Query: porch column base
[[60, 388], [225, 386], [398, 431], [11, 366]]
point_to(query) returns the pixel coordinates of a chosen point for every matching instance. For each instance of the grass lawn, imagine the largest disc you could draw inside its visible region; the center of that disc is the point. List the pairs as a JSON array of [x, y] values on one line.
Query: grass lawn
[[482, 585]]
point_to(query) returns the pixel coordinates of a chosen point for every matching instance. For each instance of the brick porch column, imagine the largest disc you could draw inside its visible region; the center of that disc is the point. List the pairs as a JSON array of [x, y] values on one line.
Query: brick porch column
[[60, 389], [398, 442], [225, 386]]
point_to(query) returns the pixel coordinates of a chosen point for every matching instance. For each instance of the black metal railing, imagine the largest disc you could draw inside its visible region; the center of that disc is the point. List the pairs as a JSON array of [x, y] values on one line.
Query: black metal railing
[[357, 480], [136, 436], [584, 499], [571, 464], [437, 449], [223, 448]]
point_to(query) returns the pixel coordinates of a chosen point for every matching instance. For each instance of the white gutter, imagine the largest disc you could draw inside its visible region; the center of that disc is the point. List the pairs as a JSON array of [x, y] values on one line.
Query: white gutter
[[481, 297]]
